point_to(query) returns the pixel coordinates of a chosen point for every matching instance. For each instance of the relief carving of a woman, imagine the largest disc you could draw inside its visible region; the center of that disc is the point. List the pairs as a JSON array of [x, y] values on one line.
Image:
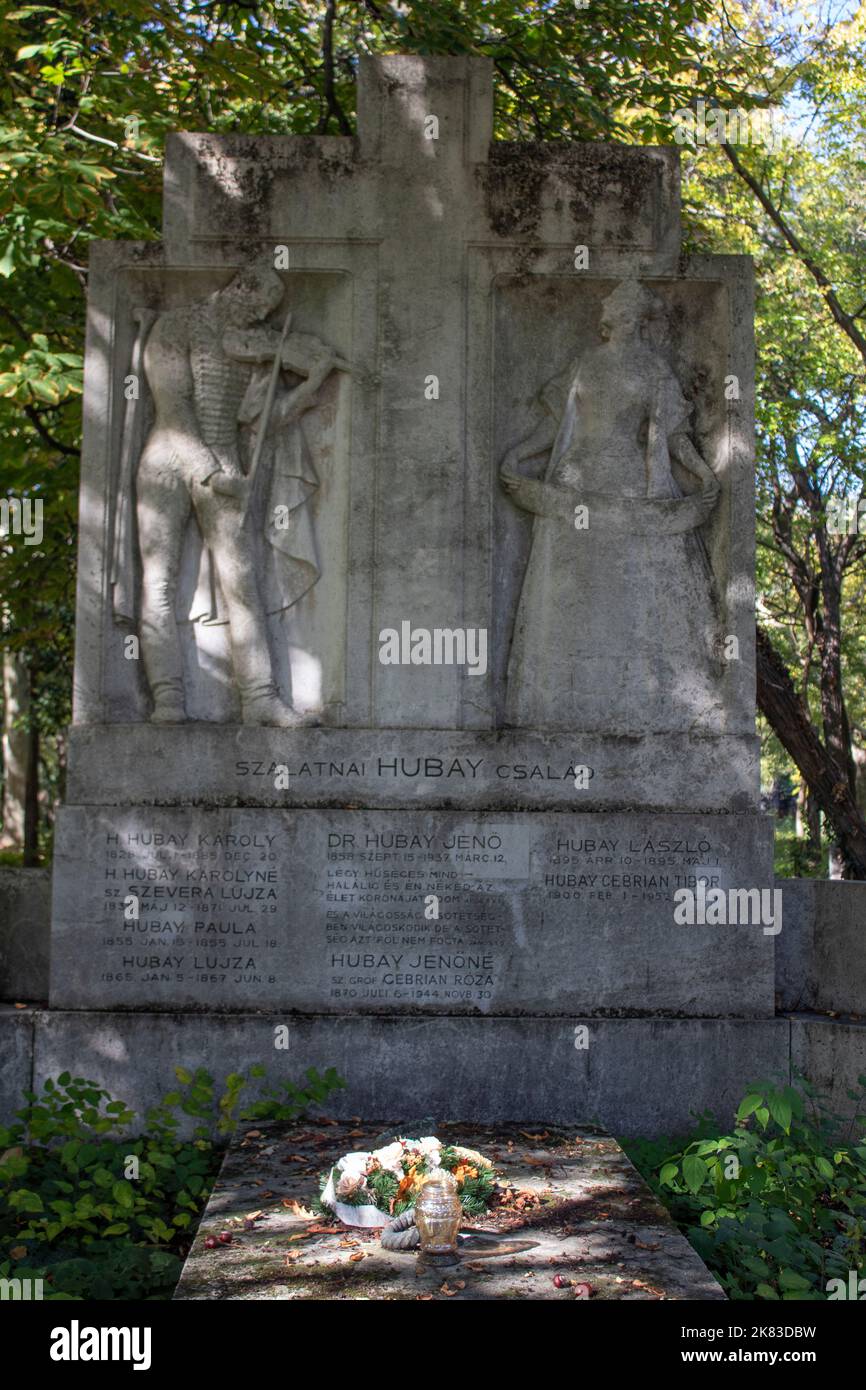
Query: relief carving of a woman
[[616, 628]]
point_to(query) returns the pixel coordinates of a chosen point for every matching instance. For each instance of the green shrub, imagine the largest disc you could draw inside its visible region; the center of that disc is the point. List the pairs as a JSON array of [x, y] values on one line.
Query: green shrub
[[777, 1207], [97, 1215]]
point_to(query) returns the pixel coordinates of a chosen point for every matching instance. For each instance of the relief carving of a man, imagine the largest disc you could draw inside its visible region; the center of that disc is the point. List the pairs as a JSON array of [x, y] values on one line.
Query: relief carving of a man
[[208, 367]]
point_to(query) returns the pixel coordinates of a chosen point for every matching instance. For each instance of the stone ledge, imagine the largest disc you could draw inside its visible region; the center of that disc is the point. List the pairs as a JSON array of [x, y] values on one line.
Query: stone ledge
[[637, 1077], [231, 765]]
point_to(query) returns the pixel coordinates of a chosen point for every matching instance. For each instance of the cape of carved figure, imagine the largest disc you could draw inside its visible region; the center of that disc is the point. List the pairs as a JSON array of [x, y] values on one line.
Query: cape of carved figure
[[215, 373], [616, 627]]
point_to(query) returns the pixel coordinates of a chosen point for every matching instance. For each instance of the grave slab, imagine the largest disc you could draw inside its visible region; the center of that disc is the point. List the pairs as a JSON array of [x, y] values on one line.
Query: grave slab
[[573, 1207]]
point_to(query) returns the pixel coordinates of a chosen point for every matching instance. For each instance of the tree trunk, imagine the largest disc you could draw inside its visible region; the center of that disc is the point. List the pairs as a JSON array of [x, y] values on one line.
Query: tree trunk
[[808, 822], [788, 716], [30, 848], [16, 750], [834, 713]]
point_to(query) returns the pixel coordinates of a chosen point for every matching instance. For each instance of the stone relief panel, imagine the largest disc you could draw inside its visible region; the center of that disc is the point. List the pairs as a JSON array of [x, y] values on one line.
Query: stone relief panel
[[610, 456], [230, 504]]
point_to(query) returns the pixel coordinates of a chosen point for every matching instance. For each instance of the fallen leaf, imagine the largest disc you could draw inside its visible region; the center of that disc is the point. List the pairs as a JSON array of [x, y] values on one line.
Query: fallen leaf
[[20, 1006], [524, 1135], [18, 1252], [323, 1230], [360, 1256], [253, 1134], [294, 1205], [348, 1244], [642, 1246], [449, 1293], [650, 1288], [355, 1134], [423, 1297]]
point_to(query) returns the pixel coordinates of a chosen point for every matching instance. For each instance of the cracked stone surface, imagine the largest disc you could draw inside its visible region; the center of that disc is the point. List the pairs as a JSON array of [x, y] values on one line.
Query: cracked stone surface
[[570, 1205]]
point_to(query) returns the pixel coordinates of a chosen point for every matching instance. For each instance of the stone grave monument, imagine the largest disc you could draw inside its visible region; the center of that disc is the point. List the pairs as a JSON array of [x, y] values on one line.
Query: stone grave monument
[[415, 629]]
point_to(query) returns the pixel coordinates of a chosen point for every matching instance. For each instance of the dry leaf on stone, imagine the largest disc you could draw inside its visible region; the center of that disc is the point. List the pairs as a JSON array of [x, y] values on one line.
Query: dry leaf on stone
[[360, 1256], [295, 1206]]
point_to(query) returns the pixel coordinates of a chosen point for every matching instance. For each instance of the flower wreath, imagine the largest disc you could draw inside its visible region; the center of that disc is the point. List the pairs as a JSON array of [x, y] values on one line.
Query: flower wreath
[[367, 1189]]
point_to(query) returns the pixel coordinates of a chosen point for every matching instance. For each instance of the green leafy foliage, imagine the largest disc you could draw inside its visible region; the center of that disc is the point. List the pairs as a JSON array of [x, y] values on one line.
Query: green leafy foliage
[[777, 1206], [98, 1213]]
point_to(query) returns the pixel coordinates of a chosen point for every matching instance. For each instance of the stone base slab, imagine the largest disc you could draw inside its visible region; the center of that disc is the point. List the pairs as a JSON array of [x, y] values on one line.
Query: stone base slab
[[634, 1077]]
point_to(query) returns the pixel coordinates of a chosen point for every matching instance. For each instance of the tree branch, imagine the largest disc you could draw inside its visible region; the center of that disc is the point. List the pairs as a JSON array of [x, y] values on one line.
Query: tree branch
[[844, 320], [333, 105], [48, 438], [788, 717]]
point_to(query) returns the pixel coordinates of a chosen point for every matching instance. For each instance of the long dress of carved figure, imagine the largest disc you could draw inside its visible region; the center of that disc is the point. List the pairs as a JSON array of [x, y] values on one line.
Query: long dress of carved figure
[[616, 628]]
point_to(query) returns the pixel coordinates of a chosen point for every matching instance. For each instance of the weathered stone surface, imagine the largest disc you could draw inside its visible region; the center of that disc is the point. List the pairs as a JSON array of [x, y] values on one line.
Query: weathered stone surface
[[833, 1056], [821, 951], [588, 1218], [16, 1058], [471, 295], [452, 259], [371, 912], [211, 764], [25, 920], [637, 1077]]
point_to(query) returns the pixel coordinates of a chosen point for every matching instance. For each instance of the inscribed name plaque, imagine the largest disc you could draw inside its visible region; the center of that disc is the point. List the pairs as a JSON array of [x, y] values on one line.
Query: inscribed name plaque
[[406, 912]]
